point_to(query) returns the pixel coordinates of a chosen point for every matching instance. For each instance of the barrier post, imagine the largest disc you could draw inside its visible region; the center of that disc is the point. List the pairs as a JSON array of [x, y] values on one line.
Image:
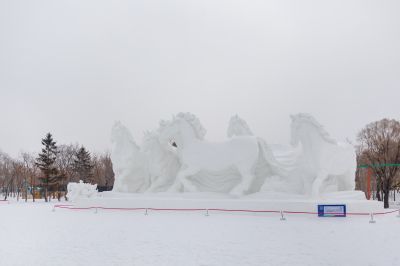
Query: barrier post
[[207, 214], [54, 208], [282, 217], [372, 221], [95, 210], [398, 215], [146, 212], [369, 175]]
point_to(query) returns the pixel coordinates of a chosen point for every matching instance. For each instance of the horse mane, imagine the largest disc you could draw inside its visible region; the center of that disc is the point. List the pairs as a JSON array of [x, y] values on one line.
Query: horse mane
[[238, 127], [307, 118], [149, 138], [191, 119]]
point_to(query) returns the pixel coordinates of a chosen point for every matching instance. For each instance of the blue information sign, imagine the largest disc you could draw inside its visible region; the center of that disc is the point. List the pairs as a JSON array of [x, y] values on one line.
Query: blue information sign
[[332, 210]]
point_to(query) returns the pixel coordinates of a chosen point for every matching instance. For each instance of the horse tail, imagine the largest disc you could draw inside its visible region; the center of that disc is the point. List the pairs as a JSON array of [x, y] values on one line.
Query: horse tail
[[269, 157]]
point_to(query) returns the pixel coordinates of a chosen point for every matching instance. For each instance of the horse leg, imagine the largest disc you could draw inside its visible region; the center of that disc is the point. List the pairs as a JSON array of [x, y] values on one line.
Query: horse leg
[[177, 185], [244, 185], [183, 177], [157, 184], [307, 186], [182, 180], [316, 186], [348, 181]]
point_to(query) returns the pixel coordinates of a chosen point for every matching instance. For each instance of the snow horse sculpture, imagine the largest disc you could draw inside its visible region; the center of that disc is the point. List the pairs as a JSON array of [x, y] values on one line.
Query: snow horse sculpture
[[175, 157], [129, 162], [175, 167], [186, 134], [323, 160]]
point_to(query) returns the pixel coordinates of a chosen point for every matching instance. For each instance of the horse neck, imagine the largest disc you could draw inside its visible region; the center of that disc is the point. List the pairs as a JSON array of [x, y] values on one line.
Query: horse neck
[[311, 140], [125, 145]]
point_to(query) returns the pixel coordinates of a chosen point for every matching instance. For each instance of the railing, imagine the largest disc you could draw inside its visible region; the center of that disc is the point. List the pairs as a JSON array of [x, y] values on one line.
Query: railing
[[207, 211]]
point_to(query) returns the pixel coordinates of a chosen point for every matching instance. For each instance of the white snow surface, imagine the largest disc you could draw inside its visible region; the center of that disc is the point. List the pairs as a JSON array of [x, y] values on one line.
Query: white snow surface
[[34, 235]]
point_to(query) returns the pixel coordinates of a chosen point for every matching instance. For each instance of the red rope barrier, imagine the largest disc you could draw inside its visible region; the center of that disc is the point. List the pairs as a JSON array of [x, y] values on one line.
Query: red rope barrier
[[251, 211], [292, 212], [71, 207], [383, 213]]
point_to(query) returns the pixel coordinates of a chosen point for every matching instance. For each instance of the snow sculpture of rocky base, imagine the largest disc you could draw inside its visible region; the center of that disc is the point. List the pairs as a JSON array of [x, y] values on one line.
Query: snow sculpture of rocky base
[[81, 190]]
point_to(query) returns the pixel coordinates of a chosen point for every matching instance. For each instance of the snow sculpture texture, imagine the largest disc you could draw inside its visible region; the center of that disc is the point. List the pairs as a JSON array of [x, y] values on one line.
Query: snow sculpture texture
[[324, 163], [129, 162], [81, 190], [176, 158], [162, 163], [195, 154]]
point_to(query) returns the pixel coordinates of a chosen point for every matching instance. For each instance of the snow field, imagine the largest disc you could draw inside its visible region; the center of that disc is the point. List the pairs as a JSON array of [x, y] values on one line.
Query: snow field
[[33, 234]]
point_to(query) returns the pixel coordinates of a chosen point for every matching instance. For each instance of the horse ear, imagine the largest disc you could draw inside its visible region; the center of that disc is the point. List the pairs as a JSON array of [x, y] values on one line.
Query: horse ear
[[117, 123]]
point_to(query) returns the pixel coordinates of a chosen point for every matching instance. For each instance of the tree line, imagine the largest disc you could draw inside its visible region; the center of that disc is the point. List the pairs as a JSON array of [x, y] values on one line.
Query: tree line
[[48, 173]]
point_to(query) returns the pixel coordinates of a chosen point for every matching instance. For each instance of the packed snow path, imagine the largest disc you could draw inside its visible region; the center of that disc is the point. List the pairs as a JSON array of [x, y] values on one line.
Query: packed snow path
[[32, 234]]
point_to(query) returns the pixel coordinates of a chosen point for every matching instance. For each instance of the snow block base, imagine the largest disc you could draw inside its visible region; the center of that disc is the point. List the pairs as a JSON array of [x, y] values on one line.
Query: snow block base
[[256, 202]]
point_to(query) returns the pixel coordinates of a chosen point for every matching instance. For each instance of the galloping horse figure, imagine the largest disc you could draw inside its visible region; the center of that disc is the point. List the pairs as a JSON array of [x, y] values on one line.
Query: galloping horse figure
[[323, 158], [129, 162], [185, 135], [162, 163]]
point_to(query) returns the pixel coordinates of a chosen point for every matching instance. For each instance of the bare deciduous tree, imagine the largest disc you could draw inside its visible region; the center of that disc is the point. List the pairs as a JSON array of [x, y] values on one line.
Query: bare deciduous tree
[[31, 174], [103, 171], [379, 145], [64, 162]]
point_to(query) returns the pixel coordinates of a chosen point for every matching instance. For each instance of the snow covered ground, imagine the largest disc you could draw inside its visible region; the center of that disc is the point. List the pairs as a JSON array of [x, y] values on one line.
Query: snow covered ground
[[31, 234]]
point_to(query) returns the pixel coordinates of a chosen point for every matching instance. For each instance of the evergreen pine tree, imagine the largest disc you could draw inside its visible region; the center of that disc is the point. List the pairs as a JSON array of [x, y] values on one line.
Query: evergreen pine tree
[[83, 165], [46, 163]]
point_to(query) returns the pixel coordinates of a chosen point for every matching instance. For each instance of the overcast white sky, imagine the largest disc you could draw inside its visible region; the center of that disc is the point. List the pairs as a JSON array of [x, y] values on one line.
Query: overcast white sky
[[73, 67]]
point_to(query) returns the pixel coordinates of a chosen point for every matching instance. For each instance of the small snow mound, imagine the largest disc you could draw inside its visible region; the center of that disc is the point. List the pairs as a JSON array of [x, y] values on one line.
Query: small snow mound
[[81, 190]]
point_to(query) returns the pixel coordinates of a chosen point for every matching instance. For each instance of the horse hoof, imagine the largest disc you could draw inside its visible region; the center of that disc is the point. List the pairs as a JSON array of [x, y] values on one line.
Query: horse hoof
[[315, 196], [237, 192], [190, 189], [174, 188]]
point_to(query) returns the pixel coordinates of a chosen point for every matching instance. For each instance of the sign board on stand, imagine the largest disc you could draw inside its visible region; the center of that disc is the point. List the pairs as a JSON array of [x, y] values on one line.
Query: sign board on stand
[[332, 210]]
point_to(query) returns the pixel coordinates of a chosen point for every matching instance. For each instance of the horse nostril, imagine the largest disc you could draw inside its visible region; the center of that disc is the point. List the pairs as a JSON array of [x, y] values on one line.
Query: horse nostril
[[174, 144]]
